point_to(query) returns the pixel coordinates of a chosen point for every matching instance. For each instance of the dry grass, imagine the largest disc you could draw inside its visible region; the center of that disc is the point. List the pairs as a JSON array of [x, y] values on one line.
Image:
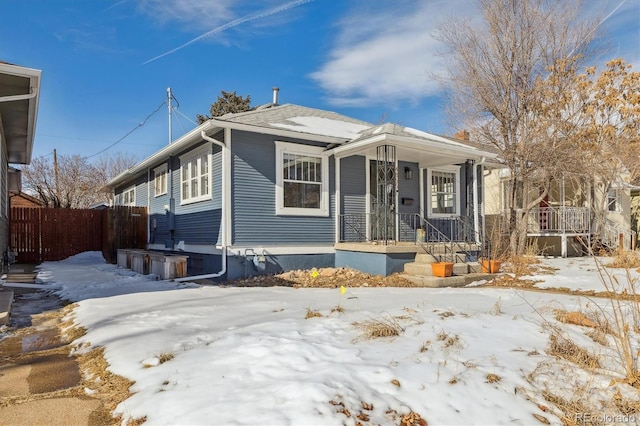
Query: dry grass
[[626, 260], [493, 378], [338, 309], [376, 328], [165, 357], [312, 313], [567, 349], [522, 265], [571, 410]]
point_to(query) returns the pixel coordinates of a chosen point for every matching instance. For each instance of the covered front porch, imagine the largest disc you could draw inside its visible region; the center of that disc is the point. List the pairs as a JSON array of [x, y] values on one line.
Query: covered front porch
[[402, 188]]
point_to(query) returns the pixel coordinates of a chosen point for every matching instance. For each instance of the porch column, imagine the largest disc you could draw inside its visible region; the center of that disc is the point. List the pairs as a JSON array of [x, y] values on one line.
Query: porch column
[[476, 213], [337, 203]]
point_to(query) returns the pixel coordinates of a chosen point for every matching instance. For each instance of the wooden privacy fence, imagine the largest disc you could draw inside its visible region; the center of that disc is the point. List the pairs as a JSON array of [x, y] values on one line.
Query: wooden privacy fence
[[41, 234]]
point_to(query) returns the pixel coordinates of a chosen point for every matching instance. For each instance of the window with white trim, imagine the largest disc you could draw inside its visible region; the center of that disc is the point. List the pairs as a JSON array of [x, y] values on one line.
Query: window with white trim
[[160, 180], [195, 176], [613, 200], [443, 191], [302, 180], [129, 196]]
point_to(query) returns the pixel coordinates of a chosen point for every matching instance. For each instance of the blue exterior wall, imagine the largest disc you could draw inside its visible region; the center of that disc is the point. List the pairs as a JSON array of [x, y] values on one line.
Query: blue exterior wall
[[253, 197], [408, 189], [244, 266], [373, 263], [140, 182]]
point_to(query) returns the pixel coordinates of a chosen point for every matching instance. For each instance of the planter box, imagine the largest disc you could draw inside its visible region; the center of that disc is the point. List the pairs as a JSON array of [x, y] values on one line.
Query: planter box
[[122, 257], [139, 261], [442, 269], [490, 266], [168, 266]]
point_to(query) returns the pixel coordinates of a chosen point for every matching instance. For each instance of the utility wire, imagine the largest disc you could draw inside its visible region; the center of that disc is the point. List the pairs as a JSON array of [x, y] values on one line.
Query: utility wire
[[130, 131]]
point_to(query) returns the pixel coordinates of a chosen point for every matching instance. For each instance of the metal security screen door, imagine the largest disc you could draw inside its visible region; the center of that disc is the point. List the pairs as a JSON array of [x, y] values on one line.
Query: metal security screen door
[[383, 194]]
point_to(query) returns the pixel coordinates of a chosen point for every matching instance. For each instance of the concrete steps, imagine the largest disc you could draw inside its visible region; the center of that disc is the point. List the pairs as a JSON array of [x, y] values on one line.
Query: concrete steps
[[420, 273]]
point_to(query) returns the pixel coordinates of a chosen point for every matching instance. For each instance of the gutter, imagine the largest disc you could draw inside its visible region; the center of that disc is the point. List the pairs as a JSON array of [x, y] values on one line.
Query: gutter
[[12, 98]]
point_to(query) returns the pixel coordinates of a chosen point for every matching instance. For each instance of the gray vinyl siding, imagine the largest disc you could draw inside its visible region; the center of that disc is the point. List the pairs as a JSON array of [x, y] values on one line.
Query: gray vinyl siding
[[199, 222], [140, 182], [195, 223], [408, 189], [253, 198], [353, 185]]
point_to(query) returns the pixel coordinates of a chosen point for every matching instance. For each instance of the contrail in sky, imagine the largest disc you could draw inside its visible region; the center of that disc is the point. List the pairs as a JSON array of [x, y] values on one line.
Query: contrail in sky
[[234, 23]]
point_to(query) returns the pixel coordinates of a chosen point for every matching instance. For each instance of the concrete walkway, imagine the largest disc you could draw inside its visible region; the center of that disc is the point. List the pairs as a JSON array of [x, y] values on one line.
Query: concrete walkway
[[6, 299], [18, 273]]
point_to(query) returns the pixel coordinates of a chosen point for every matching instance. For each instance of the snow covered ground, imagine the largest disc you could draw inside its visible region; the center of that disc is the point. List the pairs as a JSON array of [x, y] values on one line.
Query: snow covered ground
[[223, 355]]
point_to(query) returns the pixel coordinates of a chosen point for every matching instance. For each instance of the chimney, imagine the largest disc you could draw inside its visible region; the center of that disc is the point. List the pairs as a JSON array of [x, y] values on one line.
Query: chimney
[[275, 95], [462, 135]]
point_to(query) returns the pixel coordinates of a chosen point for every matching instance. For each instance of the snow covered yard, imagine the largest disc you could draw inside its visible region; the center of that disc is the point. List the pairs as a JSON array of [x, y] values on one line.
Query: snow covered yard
[[278, 355]]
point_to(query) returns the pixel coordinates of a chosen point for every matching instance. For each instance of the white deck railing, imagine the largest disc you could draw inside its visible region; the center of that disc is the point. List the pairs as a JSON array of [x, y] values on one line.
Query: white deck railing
[[559, 220]]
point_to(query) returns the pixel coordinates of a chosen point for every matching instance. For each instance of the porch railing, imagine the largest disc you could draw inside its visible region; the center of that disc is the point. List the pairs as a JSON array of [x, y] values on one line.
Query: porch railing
[[559, 220], [614, 236], [443, 233]]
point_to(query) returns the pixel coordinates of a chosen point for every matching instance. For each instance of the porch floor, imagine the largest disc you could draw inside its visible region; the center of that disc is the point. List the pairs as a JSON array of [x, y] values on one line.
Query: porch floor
[[394, 247]]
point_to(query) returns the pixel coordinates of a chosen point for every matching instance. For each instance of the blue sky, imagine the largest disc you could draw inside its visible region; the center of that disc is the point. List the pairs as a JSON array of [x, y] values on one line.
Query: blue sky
[[370, 59]]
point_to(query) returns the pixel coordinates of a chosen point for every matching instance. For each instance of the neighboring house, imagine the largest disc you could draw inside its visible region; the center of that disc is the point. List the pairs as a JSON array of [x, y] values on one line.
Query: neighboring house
[[571, 216], [19, 97], [21, 199], [287, 187]]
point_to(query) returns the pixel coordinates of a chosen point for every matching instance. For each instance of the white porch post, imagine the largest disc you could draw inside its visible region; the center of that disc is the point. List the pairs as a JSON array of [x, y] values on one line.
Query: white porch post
[[422, 201], [476, 213], [337, 203]]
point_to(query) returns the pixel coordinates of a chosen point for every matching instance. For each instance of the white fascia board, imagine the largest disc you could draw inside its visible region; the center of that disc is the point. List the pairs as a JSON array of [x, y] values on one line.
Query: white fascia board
[[413, 143], [180, 144], [278, 132]]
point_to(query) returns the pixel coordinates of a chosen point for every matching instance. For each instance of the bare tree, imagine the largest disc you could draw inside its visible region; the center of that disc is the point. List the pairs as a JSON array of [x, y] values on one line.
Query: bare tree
[[76, 183], [495, 70]]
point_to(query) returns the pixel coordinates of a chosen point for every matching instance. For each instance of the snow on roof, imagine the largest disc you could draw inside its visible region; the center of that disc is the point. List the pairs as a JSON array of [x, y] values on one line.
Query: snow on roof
[[322, 126]]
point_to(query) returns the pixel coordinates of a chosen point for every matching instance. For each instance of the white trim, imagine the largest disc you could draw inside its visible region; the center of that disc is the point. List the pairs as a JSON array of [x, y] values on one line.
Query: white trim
[[422, 201], [450, 169], [158, 171], [240, 250], [282, 250], [226, 189], [196, 154], [292, 148], [338, 202], [367, 207], [133, 197]]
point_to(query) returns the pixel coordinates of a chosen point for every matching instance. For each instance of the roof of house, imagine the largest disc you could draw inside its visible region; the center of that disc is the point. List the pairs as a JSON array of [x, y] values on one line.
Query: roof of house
[[296, 121], [19, 95], [301, 119]]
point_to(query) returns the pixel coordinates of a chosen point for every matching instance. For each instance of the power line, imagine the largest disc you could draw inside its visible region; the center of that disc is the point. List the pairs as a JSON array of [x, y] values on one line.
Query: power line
[[130, 131]]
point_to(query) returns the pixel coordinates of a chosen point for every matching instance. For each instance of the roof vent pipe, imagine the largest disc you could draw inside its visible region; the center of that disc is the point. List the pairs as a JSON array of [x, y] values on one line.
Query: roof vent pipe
[[275, 95]]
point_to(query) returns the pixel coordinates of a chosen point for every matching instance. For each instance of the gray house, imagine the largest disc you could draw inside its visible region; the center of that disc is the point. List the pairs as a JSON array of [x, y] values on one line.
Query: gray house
[[19, 97], [287, 187]]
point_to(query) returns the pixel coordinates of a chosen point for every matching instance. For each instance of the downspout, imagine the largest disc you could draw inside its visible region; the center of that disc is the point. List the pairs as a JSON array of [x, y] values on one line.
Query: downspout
[[224, 207], [476, 213], [223, 270]]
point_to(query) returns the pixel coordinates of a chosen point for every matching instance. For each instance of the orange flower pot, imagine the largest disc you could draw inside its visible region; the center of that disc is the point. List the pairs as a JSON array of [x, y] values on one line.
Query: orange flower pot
[[442, 269], [490, 266]]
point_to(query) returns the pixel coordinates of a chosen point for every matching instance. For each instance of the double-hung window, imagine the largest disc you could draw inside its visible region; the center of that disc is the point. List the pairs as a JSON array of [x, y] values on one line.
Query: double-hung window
[[129, 196], [613, 200], [443, 192], [195, 176], [302, 175], [160, 180]]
